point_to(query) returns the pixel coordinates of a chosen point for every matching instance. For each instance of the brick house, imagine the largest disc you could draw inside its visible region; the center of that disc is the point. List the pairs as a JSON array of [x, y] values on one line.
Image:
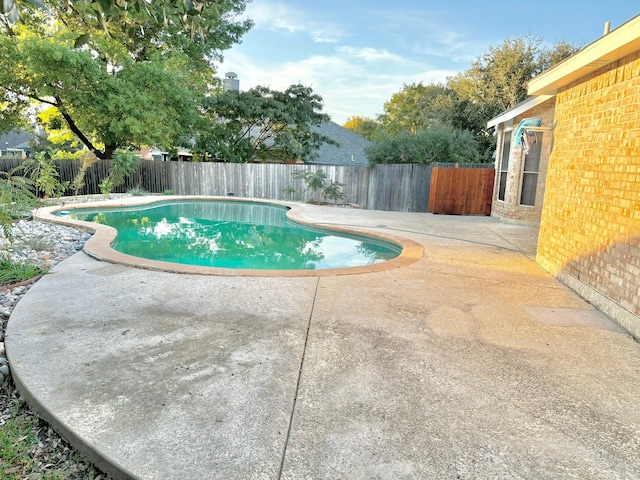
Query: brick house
[[590, 218], [520, 171]]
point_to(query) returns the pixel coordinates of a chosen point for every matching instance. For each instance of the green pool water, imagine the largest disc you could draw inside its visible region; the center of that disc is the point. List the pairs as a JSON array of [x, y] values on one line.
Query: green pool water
[[233, 234]]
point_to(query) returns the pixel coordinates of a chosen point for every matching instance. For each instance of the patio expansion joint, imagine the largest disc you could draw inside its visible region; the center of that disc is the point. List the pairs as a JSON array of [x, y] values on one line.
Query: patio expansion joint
[[295, 397], [516, 248]]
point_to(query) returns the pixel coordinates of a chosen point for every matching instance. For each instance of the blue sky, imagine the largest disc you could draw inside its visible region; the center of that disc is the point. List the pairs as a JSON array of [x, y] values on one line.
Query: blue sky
[[356, 54]]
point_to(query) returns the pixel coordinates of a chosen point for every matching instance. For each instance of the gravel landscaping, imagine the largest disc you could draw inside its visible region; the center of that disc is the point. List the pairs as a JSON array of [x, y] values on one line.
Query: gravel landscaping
[[29, 447]]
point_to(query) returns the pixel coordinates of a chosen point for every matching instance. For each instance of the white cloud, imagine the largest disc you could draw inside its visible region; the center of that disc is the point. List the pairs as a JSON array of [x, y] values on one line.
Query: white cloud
[[347, 82], [370, 54], [428, 33], [386, 49], [278, 16]]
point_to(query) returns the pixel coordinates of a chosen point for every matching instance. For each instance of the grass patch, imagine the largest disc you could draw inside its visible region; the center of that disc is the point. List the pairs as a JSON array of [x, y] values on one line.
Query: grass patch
[[16, 272], [29, 449], [35, 242], [17, 440], [137, 192]]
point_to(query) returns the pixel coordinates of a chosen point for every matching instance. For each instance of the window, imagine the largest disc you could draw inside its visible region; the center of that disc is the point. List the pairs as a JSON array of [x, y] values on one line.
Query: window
[[504, 158], [530, 169]]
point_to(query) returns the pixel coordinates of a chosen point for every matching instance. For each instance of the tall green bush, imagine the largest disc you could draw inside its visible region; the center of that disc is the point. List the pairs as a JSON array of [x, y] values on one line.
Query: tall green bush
[[16, 200], [123, 164], [322, 187], [439, 143], [44, 175]]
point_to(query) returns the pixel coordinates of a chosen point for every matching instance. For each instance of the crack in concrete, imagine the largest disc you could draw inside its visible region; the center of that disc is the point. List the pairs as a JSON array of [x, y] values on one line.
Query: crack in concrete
[[295, 397]]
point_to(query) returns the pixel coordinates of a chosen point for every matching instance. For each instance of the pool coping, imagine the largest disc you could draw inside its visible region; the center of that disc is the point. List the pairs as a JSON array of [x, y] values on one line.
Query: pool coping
[[99, 245]]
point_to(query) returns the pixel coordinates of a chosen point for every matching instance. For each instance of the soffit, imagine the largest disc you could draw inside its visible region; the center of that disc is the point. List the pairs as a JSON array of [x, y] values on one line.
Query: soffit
[[617, 44], [518, 109]]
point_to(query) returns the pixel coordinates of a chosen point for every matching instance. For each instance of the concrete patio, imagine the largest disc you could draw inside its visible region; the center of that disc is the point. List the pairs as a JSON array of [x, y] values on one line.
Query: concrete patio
[[471, 363]]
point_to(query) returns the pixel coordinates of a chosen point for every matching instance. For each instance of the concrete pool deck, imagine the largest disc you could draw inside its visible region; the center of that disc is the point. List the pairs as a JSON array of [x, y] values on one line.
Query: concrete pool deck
[[470, 363]]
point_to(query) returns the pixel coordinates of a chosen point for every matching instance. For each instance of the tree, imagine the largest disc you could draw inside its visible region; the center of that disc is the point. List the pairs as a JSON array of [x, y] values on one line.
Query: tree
[[262, 124], [132, 14], [497, 79], [410, 109], [363, 126], [58, 134], [438, 143], [116, 87]]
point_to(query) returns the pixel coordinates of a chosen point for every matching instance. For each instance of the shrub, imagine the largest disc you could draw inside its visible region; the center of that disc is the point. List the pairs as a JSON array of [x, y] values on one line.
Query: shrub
[[137, 192], [123, 163], [88, 159], [15, 272], [16, 200], [439, 143], [318, 183], [44, 175]]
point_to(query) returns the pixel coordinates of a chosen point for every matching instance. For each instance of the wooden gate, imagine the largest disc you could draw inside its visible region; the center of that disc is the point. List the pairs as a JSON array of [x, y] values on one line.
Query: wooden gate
[[461, 191]]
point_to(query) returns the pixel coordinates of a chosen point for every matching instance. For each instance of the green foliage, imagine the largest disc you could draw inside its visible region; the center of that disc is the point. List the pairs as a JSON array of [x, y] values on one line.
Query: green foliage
[[363, 126], [262, 124], [21, 453], [16, 200], [496, 81], [290, 191], [137, 192], [15, 272], [58, 134], [44, 175], [132, 17], [168, 192], [322, 187], [106, 187], [34, 242], [16, 440], [123, 164], [409, 110], [88, 159], [125, 87], [439, 143], [333, 191]]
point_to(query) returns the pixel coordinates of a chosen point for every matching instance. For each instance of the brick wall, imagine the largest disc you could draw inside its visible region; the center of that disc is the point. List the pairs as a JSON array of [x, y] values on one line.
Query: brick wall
[[510, 209], [590, 225]]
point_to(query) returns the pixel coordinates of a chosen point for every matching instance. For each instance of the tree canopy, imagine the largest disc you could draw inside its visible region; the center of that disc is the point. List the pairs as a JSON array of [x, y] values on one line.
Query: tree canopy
[[118, 86], [410, 109], [261, 124], [129, 16], [364, 126], [496, 81], [439, 143]]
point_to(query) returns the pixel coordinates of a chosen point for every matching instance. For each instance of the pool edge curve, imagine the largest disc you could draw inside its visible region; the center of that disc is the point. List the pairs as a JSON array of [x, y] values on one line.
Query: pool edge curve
[[99, 245]]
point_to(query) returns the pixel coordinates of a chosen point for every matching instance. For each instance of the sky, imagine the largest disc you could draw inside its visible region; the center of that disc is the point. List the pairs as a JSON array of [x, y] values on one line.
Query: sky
[[356, 54]]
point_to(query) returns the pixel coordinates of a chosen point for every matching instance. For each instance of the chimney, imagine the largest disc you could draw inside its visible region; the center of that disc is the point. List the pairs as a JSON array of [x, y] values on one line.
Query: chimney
[[607, 28], [230, 82]]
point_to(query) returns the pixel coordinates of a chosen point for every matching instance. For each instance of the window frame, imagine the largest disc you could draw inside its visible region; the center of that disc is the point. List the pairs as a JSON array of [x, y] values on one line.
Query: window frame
[[535, 150], [506, 142]]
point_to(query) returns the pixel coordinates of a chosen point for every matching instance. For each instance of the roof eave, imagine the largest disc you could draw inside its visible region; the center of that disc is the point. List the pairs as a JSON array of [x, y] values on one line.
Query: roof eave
[[518, 109], [613, 46]]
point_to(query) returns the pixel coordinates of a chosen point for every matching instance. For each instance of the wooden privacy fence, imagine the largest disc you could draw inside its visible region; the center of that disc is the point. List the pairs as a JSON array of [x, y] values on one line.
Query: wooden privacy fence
[[461, 191], [403, 188]]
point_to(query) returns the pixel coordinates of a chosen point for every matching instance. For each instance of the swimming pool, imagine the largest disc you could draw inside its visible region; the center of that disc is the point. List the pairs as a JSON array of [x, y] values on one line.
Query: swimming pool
[[233, 235]]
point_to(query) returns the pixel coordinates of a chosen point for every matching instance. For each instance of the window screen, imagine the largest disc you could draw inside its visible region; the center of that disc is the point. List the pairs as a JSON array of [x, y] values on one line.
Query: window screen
[[504, 159], [530, 171]]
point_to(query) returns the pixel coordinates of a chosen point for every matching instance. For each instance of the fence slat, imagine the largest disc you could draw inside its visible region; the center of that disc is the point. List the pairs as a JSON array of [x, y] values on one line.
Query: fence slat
[[403, 188]]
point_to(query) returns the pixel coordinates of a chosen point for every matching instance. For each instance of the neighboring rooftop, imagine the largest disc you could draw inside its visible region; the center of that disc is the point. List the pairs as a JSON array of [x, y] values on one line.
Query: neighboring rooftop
[[350, 150], [16, 139]]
